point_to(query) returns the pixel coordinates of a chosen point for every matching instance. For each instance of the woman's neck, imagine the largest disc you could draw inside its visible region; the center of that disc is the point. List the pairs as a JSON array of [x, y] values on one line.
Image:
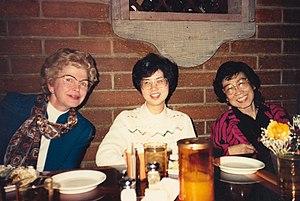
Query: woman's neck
[[155, 109], [250, 111]]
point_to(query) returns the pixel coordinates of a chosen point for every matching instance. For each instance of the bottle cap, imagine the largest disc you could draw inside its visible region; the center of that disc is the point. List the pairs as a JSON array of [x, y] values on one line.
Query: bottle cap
[[126, 182], [153, 166]]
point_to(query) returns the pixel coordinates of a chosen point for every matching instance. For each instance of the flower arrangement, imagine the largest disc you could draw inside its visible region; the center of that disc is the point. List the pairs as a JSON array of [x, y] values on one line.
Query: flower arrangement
[[282, 138]]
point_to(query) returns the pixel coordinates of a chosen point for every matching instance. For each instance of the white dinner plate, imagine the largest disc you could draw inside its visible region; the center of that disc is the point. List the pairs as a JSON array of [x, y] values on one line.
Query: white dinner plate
[[78, 181], [239, 178], [239, 164]]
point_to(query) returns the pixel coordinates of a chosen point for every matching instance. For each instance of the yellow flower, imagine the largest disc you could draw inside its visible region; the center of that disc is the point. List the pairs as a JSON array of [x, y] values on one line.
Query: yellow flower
[[278, 130]]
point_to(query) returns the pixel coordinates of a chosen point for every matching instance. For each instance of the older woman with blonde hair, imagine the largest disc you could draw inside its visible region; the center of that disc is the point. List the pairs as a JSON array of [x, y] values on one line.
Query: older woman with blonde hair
[[46, 130]]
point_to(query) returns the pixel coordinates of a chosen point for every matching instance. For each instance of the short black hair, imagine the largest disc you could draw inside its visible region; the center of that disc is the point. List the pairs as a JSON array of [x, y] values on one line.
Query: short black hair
[[148, 65], [227, 71]]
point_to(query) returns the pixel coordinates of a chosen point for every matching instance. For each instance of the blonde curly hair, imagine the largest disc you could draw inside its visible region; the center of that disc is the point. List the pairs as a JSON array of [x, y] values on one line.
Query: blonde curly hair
[[63, 57]]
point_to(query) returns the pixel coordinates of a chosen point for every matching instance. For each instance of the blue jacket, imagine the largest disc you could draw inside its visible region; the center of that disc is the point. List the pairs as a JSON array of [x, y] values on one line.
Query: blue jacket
[[65, 152]]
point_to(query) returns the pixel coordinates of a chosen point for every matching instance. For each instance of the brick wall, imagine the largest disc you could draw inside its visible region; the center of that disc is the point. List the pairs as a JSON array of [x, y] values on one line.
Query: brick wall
[[31, 30]]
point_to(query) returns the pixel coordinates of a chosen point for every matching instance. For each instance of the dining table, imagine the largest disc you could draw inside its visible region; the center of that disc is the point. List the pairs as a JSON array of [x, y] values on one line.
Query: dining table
[[261, 186]]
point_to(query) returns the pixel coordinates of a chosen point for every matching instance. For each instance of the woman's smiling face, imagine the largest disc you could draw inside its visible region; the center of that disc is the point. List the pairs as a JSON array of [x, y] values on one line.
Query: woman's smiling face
[[155, 96], [239, 91], [65, 96]]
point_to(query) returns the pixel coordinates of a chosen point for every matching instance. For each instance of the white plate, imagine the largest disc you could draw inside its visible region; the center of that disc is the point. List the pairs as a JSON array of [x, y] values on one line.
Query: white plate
[[239, 165], [78, 181], [239, 179], [9, 188]]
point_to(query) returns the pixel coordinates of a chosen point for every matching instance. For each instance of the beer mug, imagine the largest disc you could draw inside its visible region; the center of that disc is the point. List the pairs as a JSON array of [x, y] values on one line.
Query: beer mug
[[196, 175]]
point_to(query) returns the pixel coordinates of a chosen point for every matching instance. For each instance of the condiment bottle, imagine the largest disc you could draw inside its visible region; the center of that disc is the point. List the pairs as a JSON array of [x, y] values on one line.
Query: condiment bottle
[[128, 192], [153, 175]]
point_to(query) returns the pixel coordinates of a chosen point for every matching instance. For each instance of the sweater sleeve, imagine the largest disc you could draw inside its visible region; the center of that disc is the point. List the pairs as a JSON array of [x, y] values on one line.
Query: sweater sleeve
[[188, 129], [112, 147]]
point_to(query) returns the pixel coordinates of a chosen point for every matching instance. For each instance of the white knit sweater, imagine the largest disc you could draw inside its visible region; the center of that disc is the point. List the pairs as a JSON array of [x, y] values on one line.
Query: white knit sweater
[[139, 126]]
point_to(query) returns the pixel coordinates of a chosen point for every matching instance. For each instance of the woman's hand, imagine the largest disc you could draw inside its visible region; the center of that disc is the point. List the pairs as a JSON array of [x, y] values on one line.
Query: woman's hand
[[241, 149]]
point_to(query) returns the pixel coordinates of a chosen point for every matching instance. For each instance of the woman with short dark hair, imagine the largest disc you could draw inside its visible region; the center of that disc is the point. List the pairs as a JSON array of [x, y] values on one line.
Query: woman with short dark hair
[[155, 77], [238, 130]]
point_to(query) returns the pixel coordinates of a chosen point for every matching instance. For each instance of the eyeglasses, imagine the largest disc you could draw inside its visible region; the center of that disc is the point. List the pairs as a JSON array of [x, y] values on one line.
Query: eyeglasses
[[159, 83], [241, 84], [72, 82]]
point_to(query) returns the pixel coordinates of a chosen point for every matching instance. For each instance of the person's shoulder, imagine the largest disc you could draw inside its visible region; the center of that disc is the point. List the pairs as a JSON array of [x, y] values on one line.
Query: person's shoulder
[[84, 121], [18, 102], [133, 113], [177, 114], [15, 97], [227, 115], [274, 108], [272, 105]]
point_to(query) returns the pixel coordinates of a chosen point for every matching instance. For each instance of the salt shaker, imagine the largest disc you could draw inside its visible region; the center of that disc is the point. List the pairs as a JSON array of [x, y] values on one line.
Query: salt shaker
[[153, 175], [128, 192]]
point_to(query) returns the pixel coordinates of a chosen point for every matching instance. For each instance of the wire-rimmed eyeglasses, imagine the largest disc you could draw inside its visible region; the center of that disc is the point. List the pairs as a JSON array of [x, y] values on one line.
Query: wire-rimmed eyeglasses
[[241, 84], [158, 82], [72, 82]]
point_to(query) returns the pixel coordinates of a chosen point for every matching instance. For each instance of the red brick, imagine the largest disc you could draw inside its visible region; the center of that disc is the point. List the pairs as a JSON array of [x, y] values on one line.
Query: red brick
[[215, 62], [115, 98], [93, 46], [105, 82], [101, 131], [211, 97], [116, 64], [20, 84], [268, 15], [88, 164], [291, 77], [24, 65], [191, 69], [256, 46], [43, 27], [280, 93], [291, 16], [199, 127], [20, 46], [199, 79], [278, 31], [290, 106], [202, 112], [279, 62], [123, 81], [97, 116], [209, 126], [269, 78], [19, 9], [184, 96], [291, 46], [89, 28], [4, 66], [91, 153], [223, 49], [131, 46], [75, 10], [3, 31]]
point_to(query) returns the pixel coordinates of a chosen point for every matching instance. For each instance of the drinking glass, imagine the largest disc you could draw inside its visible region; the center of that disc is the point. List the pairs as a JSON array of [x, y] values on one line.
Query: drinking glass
[[40, 189], [289, 175], [196, 176], [156, 152]]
